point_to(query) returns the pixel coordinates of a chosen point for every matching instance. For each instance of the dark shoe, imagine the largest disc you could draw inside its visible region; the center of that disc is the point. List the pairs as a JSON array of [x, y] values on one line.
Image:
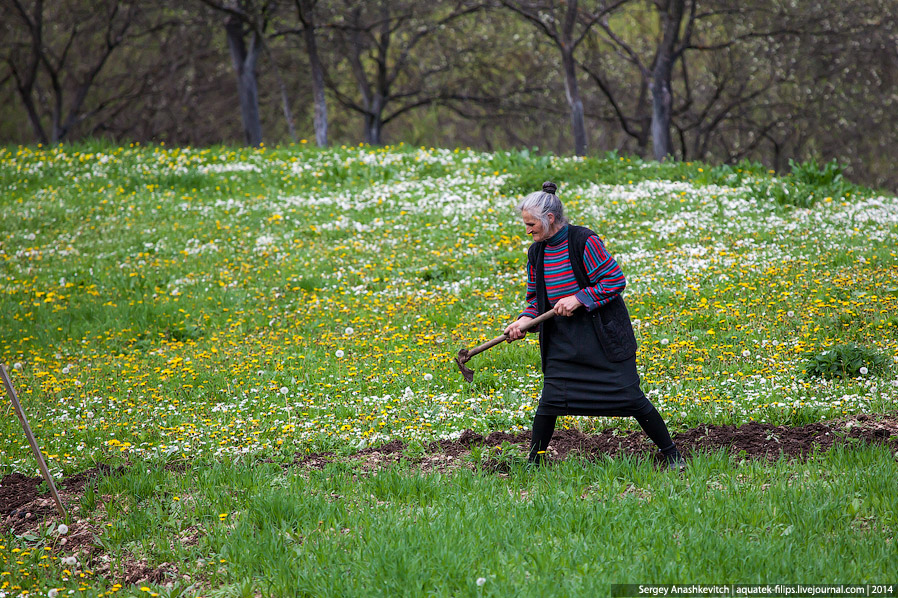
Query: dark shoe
[[674, 462], [536, 461]]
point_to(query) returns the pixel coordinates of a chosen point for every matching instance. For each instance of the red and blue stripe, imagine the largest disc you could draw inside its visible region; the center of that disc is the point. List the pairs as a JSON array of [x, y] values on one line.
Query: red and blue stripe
[[605, 275]]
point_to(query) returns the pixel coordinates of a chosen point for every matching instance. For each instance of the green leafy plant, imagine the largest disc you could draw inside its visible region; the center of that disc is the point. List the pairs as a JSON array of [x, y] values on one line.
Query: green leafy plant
[[807, 183], [843, 361], [829, 175], [785, 192], [415, 451], [819, 182]]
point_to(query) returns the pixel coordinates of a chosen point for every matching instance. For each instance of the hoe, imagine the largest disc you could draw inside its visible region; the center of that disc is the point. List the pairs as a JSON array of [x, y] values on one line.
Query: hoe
[[465, 354]]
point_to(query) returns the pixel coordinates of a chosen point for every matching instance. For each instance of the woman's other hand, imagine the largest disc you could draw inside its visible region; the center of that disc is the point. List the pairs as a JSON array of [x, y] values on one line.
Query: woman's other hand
[[567, 305], [514, 331]]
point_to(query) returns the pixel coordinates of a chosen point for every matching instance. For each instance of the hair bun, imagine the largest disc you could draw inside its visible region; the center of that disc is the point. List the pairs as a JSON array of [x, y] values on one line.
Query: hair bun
[[550, 187]]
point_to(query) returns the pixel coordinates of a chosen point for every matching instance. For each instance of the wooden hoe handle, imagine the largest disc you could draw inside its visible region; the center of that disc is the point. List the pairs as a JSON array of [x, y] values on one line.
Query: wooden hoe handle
[[504, 337]]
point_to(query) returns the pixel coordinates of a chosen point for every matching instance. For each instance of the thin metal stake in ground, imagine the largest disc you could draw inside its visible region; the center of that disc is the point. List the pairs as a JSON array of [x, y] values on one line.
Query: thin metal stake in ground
[[34, 448]]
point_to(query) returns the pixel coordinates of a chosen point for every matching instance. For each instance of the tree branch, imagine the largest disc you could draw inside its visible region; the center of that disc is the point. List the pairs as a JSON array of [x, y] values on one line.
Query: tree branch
[[621, 117], [621, 44], [595, 18], [421, 34], [551, 32]]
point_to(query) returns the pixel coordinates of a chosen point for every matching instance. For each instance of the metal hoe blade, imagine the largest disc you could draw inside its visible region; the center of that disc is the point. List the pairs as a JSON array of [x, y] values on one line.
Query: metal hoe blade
[[460, 360], [464, 355]]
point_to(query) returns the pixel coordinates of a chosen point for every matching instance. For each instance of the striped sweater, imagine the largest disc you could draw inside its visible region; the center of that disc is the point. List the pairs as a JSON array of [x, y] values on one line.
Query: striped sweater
[[604, 274]]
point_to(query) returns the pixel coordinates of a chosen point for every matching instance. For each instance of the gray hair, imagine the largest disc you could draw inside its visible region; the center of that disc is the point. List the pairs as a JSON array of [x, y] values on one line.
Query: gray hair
[[542, 203]]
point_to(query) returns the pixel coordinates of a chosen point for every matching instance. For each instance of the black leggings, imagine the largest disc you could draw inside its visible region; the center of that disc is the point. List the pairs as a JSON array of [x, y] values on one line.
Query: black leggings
[[652, 423]]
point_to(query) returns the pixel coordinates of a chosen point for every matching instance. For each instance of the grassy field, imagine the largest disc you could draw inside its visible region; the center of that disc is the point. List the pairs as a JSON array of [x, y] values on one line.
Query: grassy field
[[223, 311]]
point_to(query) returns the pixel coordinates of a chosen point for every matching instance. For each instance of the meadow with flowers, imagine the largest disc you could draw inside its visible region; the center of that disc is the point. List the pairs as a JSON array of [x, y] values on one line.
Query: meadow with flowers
[[227, 311]]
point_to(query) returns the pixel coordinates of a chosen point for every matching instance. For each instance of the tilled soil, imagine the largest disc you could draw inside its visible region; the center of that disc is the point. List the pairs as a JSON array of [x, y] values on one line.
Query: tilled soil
[[24, 505], [749, 441]]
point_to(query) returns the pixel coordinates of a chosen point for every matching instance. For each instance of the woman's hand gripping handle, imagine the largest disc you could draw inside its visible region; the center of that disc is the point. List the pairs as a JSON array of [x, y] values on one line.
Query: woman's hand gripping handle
[[518, 329]]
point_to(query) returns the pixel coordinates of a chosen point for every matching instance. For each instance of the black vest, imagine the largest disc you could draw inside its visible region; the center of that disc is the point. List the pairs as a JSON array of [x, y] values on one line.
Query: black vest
[[611, 321]]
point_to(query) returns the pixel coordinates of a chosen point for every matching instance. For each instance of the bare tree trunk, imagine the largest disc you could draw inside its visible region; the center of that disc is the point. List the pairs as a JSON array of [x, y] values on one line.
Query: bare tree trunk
[[662, 101], [25, 87], [34, 117], [374, 124], [25, 82], [374, 121], [306, 8], [572, 90], [247, 88], [662, 73], [285, 97], [75, 109], [373, 98]]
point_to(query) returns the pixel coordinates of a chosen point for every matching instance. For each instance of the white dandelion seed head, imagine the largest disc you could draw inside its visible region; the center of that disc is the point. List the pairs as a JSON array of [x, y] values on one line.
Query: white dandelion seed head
[[339, 353], [69, 561], [664, 341], [746, 353], [284, 390], [52, 593], [18, 365], [66, 370], [349, 331], [428, 377], [863, 370], [63, 529], [790, 313], [481, 581]]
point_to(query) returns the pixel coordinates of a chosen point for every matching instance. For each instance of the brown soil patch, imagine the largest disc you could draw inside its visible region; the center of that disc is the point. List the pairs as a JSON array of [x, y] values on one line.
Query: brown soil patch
[[140, 572], [750, 441], [25, 502]]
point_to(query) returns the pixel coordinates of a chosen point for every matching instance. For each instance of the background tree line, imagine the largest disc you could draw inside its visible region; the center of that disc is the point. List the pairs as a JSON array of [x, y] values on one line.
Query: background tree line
[[713, 80]]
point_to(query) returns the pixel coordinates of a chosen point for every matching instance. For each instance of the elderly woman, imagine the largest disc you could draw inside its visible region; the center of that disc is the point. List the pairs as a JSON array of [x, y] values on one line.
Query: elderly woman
[[588, 349]]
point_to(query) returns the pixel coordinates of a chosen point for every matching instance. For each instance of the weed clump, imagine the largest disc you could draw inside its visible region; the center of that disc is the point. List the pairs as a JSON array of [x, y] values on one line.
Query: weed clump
[[807, 184], [843, 361]]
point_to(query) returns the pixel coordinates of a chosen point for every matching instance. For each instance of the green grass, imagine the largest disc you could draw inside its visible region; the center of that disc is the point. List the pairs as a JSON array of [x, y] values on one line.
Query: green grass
[[570, 529], [237, 306]]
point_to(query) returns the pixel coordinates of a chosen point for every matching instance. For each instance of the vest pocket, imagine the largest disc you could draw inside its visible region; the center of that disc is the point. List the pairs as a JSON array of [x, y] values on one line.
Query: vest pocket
[[615, 332]]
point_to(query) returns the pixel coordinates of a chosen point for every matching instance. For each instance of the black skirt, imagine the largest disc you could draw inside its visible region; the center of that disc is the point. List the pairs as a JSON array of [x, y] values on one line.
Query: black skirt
[[580, 379]]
